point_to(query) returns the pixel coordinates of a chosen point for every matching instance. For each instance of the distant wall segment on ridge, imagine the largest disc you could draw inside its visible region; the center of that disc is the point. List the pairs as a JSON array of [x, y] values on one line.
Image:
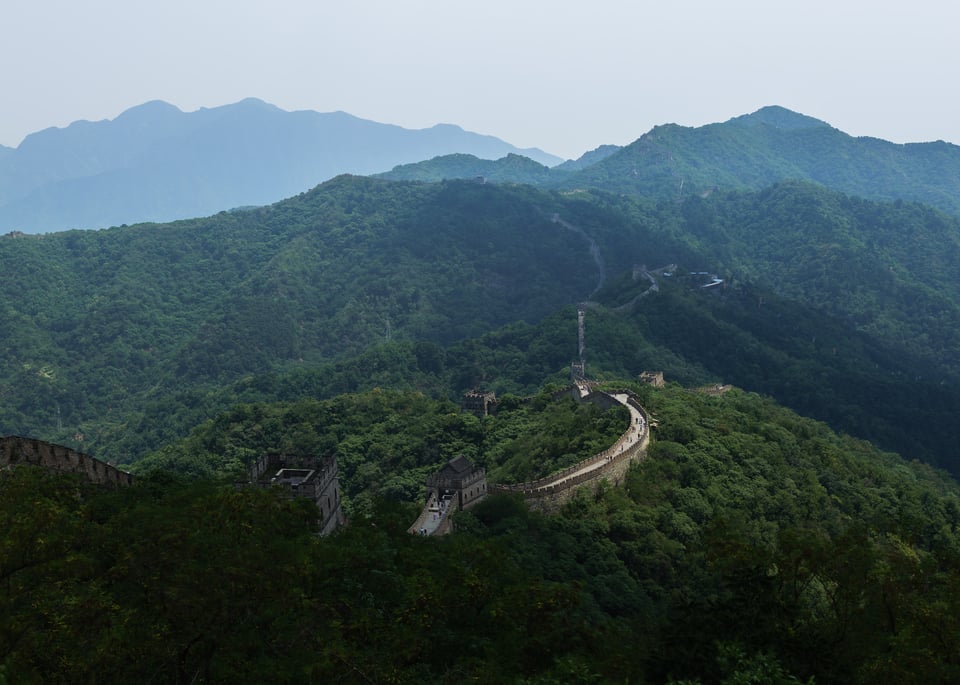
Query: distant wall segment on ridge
[[15, 450]]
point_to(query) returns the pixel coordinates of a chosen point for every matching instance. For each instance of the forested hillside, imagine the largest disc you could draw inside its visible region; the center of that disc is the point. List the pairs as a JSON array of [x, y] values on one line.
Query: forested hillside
[[750, 152], [752, 545], [119, 341], [95, 324], [387, 442], [772, 145]]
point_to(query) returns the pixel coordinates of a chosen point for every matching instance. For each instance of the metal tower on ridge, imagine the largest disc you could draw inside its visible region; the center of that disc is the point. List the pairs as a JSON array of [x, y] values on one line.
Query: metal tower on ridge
[[578, 367], [581, 315]]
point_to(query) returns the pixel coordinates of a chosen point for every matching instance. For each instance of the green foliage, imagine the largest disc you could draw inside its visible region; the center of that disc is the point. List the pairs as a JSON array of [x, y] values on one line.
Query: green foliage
[[738, 556], [98, 326], [841, 308], [751, 545], [540, 437], [886, 269], [759, 150], [762, 548], [388, 442], [749, 152]]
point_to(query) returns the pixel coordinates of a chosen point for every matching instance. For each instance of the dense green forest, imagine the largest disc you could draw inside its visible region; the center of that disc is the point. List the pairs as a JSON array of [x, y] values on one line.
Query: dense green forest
[[752, 545], [774, 145], [120, 341], [388, 442], [95, 324]]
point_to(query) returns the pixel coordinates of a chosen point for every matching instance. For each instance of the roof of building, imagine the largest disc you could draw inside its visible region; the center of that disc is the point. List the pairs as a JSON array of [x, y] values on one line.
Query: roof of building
[[458, 466]]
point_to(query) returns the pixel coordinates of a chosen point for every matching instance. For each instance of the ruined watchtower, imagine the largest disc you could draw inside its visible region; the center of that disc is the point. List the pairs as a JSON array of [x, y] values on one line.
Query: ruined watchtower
[[654, 378], [479, 402]]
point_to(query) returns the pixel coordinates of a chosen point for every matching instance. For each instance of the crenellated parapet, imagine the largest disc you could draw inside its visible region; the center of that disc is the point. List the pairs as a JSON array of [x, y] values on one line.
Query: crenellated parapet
[[459, 484], [313, 478], [550, 493], [16, 450]]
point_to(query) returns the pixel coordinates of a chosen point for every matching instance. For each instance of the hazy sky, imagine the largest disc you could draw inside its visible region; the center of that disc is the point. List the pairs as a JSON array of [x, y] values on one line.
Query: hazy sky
[[562, 76]]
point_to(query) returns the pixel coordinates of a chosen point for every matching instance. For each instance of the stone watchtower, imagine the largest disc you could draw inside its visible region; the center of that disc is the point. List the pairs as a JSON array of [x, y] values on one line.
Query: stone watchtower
[[479, 402], [459, 482], [654, 378], [310, 477]]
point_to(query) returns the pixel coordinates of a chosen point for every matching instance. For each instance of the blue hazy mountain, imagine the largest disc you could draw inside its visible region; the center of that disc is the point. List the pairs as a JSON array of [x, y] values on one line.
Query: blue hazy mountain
[[157, 163]]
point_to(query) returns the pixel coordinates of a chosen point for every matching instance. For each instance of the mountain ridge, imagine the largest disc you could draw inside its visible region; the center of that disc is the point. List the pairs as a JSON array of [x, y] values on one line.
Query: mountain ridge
[[753, 152], [154, 162], [778, 117], [106, 329], [749, 152]]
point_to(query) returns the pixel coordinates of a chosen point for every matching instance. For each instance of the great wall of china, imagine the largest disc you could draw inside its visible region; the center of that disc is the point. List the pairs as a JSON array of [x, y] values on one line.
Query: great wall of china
[[16, 450], [547, 494]]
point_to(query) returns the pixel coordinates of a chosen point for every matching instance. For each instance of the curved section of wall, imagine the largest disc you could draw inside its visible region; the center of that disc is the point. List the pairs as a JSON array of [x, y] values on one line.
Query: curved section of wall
[[16, 450], [550, 493]]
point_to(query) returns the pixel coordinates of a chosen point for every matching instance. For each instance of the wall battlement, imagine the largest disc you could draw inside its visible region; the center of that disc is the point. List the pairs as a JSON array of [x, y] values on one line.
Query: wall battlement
[[15, 450], [313, 478], [550, 493]]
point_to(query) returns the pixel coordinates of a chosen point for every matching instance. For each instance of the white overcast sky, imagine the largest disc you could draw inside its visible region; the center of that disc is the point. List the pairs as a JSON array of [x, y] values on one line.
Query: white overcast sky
[[558, 75]]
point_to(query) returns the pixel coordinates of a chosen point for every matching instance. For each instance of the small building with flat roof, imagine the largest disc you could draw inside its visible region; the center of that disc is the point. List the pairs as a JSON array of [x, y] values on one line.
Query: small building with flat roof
[[310, 477]]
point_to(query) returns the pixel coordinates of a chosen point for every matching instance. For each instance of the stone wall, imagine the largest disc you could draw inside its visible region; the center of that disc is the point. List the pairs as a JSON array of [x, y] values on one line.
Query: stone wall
[[323, 487], [16, 450], [480, 403], [330, 505], [549, 494], [550, 500]]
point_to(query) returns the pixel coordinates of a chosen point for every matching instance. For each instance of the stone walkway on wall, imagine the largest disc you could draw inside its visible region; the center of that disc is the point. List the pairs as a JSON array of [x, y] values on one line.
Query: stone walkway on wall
[[433, 518], [612, 462], [634, 435]]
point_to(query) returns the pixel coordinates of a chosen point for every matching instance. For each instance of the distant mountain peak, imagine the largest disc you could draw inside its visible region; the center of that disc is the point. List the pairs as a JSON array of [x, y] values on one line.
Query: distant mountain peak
[[153, 108], [250, 104], [778, 117], [447, 127], [587, 158]]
